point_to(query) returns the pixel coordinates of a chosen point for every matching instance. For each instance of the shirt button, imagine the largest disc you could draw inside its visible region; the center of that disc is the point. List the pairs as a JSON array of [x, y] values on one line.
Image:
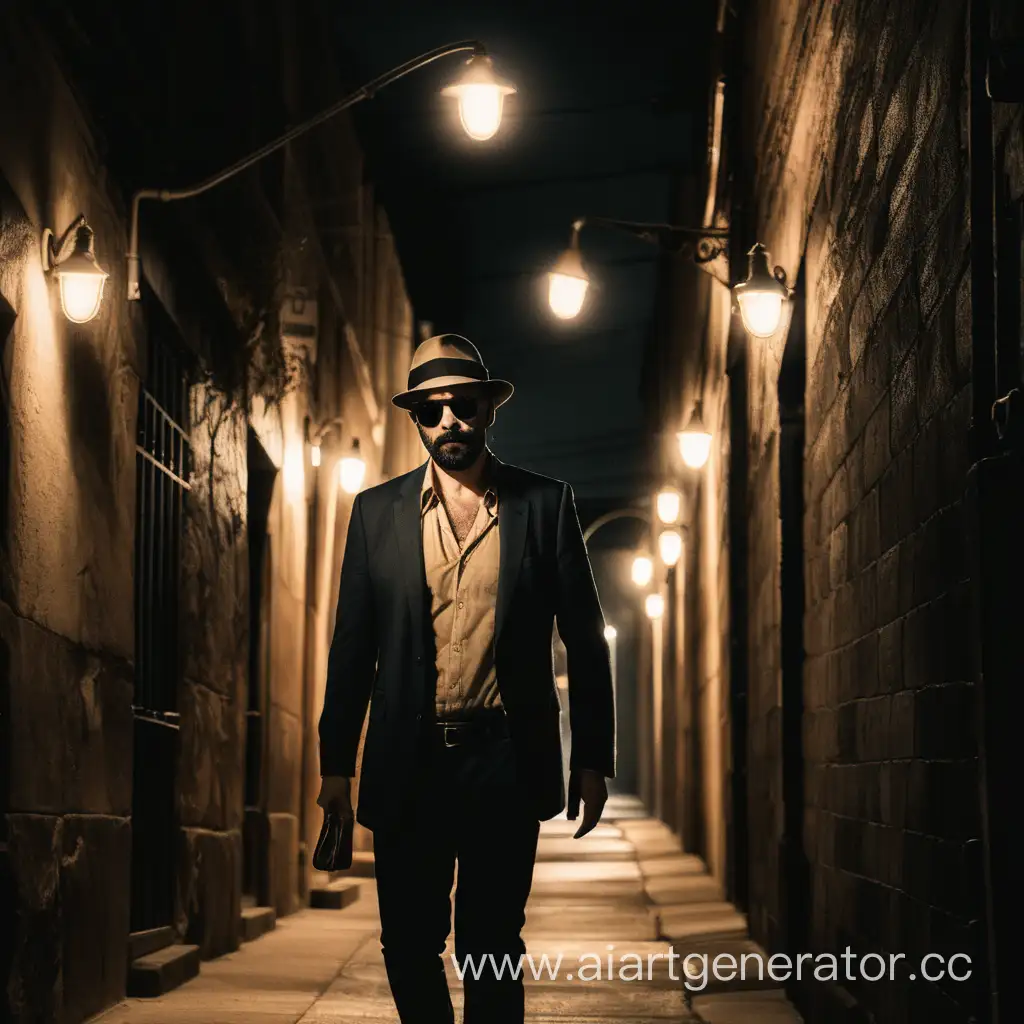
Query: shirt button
[[461, 605], [419, 659]]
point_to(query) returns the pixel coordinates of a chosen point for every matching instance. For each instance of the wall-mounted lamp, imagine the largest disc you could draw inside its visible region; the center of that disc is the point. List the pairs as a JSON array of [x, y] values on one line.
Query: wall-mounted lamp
[[695, 440], [654, 606], [669, 504], [480, 95], [670, 546], [642, 571], [761, 296], [568, 280], [80, 277], [352, 470], [315, 435]]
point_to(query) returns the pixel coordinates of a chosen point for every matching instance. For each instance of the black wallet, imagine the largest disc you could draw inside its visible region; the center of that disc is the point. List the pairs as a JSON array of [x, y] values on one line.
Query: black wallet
[[334, 847]]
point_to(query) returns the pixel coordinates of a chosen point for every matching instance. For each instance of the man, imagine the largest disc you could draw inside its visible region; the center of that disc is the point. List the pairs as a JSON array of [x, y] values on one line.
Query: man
[[452, 579]]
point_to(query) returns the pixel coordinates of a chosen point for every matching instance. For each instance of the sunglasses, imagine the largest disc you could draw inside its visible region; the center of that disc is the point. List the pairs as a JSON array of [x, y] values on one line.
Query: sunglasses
[[428, 414]]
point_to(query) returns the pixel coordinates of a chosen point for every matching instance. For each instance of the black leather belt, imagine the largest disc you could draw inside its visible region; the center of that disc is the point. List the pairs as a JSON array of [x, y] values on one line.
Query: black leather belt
[[454, 732]]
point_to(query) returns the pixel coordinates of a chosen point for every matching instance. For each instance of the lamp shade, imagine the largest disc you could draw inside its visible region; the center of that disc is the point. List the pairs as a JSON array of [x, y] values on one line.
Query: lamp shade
[[567, 285], [760, 297], [481, 97], [81, 280]]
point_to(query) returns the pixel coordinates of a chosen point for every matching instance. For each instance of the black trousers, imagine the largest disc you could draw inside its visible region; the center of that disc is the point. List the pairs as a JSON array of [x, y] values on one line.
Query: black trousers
[[468, 809]]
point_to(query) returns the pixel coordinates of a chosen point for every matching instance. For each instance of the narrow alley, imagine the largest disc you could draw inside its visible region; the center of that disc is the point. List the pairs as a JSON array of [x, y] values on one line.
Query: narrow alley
[[442, 417], [626, 890]]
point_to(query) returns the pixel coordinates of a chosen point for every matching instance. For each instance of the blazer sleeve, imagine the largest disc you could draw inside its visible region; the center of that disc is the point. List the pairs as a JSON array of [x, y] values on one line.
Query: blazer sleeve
[[588, 662], [352, 661]]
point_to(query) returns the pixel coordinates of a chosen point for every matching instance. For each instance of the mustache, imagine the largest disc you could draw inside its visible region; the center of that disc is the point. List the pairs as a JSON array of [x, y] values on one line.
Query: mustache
[[456, 435]]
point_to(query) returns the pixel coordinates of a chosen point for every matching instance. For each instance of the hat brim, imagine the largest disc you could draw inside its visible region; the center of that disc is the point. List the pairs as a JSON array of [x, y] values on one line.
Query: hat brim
[[500, 391]]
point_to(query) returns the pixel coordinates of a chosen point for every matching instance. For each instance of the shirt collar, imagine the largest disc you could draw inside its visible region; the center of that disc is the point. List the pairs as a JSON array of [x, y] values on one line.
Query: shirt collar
[[430, 490]]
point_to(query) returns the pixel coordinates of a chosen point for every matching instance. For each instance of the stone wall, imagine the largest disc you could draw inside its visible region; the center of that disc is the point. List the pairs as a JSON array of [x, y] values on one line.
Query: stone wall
[[887, 694], [66, 622], [854, 120]]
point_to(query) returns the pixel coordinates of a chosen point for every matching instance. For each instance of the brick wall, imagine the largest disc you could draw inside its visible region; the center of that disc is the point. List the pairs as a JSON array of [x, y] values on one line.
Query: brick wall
[[854, 118], [875, 203]]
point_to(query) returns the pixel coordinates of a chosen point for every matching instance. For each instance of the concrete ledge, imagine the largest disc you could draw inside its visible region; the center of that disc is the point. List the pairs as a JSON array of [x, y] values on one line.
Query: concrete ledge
[[143, 943], [256, 921], [335, 895], [362, 865], [162, 971]]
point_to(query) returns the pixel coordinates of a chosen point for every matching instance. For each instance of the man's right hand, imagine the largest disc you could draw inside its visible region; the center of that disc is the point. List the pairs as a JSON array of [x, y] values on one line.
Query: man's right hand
[[336, 794]]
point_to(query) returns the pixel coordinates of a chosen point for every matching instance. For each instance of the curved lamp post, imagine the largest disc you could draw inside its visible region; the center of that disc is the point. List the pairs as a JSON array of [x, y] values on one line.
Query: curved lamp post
[[478, 91]]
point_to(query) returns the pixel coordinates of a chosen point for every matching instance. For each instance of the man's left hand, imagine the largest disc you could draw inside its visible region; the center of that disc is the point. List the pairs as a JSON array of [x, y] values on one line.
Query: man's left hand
[[591, 787]]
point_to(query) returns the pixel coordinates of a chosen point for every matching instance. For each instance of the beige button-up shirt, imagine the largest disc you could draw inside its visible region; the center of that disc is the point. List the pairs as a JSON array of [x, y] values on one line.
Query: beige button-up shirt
[[463, 584]]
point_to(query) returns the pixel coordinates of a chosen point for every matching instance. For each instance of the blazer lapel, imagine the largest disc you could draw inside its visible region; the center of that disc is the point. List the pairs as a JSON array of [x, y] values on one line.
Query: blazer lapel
[[406, 511], [513, 524]]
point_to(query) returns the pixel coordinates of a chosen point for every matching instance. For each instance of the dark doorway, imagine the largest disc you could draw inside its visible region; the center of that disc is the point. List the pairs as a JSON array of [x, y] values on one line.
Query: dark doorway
[[162, 463], [256, 839], [792, 382]]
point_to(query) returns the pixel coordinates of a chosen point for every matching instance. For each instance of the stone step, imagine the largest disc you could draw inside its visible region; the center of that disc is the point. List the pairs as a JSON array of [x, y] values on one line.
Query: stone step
[[163, 970], [334, 895], [362, 865], [257, 921], [149, 941]]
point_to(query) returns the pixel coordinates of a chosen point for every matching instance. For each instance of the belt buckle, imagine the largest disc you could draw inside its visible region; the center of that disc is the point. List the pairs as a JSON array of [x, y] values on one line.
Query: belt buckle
[[444, 734]]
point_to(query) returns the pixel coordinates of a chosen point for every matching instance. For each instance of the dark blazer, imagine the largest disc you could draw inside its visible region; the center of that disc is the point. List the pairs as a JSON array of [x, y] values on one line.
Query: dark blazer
[[382, 652]]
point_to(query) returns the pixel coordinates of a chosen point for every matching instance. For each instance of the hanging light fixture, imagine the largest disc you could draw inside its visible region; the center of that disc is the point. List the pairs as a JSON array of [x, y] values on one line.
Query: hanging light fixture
[[670, 546], [695, 440], [479, 92], [567, 280], [481, 97], [352, 470], [654, 606], [79, 276], [642, 571], [761, 296], [669, 504]]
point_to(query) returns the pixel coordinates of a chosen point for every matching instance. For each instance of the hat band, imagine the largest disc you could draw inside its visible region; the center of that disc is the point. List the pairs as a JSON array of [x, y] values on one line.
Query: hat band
[[442, 367]]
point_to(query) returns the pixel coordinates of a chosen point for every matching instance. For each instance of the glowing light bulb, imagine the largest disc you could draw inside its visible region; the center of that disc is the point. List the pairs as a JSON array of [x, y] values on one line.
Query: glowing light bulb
[[314, 455], [610, 632], [695, 441], [760, 297], [761, 312], [567, 283], [654, 606], [352, 471], [481, 98], [670, 546], [643, 570], [669, 505]]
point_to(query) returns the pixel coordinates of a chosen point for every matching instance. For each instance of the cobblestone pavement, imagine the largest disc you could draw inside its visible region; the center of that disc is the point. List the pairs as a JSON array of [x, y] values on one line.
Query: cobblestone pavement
[[626, 886]]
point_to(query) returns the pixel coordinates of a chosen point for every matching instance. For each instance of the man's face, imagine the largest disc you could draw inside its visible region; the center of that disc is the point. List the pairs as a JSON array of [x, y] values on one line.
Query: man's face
[[454, 437]]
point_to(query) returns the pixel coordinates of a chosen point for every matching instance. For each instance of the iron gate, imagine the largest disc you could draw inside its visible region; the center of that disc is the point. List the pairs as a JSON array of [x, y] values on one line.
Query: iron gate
[[162, 472]]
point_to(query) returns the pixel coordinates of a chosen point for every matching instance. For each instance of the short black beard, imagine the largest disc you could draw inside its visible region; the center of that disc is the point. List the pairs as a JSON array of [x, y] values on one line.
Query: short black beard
[[452, 459]]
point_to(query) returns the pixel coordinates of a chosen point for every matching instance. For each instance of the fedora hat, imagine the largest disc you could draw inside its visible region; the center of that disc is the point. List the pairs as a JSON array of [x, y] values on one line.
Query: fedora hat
[[446, 361]]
